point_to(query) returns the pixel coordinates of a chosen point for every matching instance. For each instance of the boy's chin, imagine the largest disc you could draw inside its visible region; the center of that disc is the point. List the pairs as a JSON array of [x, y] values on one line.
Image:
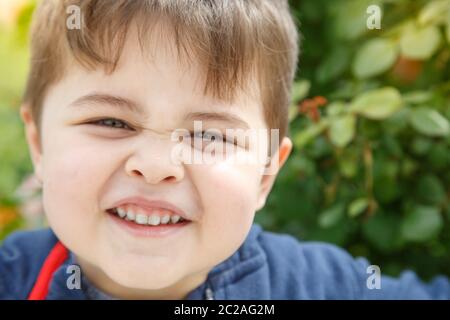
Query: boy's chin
[[140, 280]]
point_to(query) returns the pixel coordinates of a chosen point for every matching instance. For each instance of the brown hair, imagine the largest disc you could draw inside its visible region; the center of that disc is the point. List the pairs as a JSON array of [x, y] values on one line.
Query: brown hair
[[232, 39]]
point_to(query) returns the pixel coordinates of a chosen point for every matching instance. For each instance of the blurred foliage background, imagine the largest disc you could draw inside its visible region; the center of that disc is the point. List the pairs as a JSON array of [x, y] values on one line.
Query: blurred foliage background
[[369, 121]]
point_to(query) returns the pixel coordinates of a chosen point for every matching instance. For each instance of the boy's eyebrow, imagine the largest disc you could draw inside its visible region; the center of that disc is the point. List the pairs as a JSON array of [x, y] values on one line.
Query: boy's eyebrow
[[122, 102], [107, 99], [218, 116]]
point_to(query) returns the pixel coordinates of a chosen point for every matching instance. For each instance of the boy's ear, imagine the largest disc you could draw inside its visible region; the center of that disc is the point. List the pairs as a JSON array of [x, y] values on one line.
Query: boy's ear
[[276, 163], [32, 136]]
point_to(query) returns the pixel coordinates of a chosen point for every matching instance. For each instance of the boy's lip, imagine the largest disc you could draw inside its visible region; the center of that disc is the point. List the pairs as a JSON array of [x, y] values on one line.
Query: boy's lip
[[151, 204]]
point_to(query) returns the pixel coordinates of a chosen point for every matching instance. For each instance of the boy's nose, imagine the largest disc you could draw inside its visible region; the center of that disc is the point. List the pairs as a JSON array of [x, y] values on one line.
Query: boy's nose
[[154, 164]]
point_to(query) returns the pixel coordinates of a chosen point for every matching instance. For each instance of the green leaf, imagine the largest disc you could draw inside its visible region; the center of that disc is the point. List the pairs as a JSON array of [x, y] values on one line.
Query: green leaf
[[381, 230], [306, 166], [434, 12], [421, 224], [392, 146], [331, 216], [357, 207], [429, 122], [348, 162], [293, 112], [300, 90], [305, 136], [421, 145], [430, 190], [396, 123], [350, 17], [342, 130], [417, 97], [448, 30], [320, 147], [409, 166], [375, 57], [336, 108], [334, 64], [377, 104], [420, 43], [386, 189], [439, 156]]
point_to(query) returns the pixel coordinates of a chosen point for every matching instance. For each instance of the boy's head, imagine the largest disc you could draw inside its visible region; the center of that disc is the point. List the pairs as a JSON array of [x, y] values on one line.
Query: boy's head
[[155, 66]]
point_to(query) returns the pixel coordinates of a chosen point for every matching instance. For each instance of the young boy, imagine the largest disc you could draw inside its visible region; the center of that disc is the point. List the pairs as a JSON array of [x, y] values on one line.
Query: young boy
[[131, 215]]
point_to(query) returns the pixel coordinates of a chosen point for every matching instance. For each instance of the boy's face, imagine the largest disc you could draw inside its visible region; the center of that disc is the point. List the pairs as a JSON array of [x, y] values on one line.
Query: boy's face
[[87, 168]]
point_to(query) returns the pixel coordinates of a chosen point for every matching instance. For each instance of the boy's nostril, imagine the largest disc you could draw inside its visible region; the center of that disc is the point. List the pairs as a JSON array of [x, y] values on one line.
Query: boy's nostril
[[136, 173], [170, 179]]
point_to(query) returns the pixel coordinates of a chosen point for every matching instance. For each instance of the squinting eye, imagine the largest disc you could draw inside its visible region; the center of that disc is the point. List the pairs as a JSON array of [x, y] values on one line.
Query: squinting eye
[[209, 137], [112, 123]]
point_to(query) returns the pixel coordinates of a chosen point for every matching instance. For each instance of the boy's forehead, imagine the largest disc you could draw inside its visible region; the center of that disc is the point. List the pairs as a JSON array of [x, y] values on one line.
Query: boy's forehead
[[156, 68], [159, 87], [159, 55]]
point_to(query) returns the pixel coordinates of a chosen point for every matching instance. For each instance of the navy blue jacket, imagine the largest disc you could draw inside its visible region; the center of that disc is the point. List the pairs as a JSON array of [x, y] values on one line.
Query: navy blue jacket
[[266, 266]]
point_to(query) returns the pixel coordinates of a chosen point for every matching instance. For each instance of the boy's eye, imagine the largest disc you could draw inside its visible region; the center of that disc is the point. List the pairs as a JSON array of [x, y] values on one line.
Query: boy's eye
[[210, 137], [112, 123], [206, 140]]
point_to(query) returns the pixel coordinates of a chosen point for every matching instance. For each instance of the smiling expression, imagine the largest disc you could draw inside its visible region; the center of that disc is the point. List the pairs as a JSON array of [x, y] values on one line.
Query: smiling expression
[[105, 152]]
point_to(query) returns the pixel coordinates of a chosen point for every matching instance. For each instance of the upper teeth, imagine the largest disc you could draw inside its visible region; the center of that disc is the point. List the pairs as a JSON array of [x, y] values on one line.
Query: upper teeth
[[152, 219], [121, 212]]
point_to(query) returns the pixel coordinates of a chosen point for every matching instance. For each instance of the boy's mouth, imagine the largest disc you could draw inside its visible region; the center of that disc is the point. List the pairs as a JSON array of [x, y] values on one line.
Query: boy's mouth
[[148, 218], [152, 217]]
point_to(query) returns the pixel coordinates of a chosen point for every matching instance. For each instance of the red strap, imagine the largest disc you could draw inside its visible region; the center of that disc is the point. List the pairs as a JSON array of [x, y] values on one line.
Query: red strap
[[54, 260]]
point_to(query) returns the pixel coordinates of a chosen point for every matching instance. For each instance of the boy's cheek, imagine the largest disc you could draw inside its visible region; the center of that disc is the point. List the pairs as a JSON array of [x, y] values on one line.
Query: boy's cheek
[[228, 194], [74, 179], [73, 176]]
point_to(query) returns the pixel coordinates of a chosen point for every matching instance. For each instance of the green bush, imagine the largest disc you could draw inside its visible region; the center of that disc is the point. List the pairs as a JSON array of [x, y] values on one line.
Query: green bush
[[370, 169], [15, 162]]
